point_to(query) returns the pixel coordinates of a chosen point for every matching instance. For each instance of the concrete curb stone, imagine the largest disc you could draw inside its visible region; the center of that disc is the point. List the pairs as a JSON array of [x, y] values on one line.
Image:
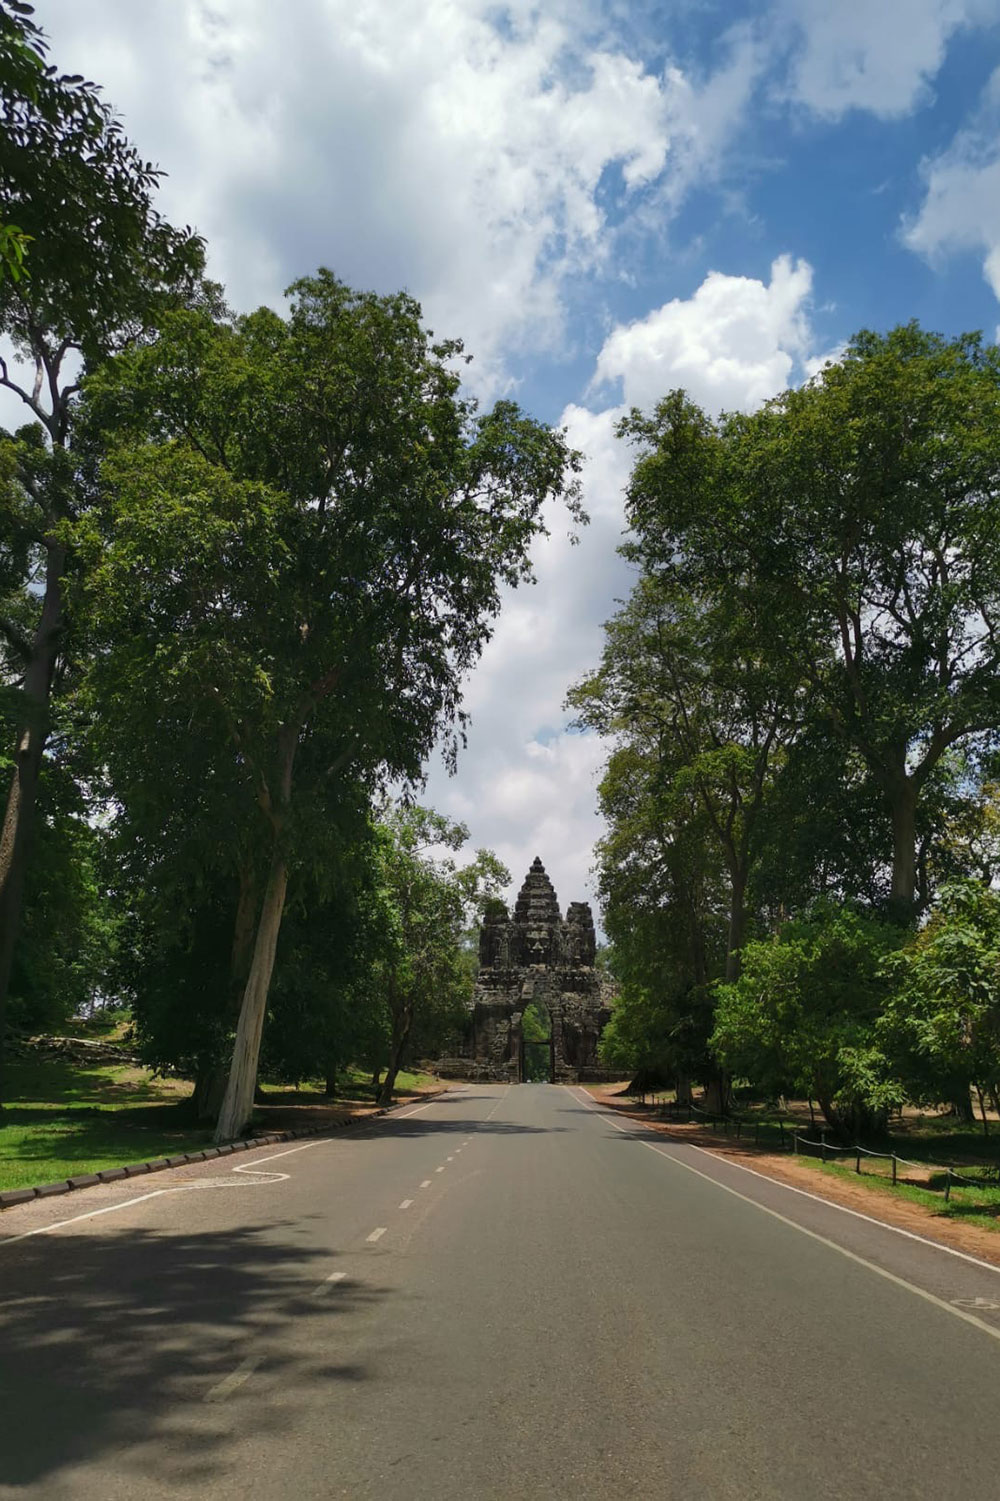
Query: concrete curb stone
[[12, 1196]]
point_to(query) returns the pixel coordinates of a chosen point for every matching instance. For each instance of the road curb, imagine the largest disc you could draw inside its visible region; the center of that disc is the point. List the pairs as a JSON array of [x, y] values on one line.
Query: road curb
[[11, 1196]]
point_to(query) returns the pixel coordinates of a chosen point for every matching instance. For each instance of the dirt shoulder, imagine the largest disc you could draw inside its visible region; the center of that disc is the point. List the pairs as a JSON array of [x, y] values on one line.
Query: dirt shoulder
[[797, 1173]]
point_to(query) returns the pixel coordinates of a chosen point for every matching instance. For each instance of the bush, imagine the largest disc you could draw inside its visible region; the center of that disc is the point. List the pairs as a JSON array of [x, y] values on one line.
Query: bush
[[803, 1018]]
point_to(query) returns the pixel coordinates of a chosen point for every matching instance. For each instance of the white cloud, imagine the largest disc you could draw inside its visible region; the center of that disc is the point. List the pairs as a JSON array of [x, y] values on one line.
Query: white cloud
[[961, 207], [527, 784], [871, 54], [731, 345], [420, 144]]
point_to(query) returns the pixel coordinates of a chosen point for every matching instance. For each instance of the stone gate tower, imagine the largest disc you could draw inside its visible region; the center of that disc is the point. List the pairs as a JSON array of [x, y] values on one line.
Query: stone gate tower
[[535, 955]]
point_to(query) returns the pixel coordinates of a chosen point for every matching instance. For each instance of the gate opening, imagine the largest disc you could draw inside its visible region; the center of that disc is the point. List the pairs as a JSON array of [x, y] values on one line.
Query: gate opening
[[537, 1049]]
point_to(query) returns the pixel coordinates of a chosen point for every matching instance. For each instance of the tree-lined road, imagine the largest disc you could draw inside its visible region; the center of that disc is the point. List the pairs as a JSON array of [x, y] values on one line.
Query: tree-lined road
[[504, 1293]]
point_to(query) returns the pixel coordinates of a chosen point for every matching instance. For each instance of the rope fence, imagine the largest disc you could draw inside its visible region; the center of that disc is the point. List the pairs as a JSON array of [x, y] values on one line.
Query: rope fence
[[789, 1140]]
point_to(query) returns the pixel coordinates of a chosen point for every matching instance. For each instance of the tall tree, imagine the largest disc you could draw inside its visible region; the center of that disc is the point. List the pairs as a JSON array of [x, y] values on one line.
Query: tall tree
[[420, 973], [684, 676], [857, 516], [78, 194], [305, 536]]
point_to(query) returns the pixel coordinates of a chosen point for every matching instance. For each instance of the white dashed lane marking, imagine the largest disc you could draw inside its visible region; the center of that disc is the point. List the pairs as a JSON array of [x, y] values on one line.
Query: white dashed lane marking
[[333, 1277], [228, 1384], [439, 1169], [406, 1204], [377, 1234], [426, 1183]]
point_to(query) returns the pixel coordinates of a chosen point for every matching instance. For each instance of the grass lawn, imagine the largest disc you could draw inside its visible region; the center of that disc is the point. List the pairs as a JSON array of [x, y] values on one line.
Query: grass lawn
[[969, 1206], [64, 1118]]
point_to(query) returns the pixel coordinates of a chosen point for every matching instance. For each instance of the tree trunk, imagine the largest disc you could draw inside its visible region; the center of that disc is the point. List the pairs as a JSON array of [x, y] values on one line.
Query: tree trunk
[[904, 849], [682, 1089], [402, 1027], [961, 1106], [737, 924], [209, 1089], [717, 1094], [19, 814], [982, 1111], [717, 1090], [237, 1107], [213, 1075], [331, 1078]]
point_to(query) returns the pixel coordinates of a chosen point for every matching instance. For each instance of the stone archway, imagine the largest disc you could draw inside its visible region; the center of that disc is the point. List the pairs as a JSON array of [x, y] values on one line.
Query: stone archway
[[535, 954]]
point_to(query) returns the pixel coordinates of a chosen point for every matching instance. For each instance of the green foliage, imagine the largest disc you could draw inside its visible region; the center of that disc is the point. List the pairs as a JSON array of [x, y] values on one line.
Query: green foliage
[[943, 1020], [854, 521], [304, 532], [323, 1012], [69, 934], [803, 1017], [13, 249], [536, 1025], [420, 979], [80, 195]]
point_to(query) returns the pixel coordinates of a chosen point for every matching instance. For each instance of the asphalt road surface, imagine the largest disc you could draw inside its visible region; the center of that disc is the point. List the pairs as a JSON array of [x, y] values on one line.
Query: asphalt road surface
[[503, 1293]]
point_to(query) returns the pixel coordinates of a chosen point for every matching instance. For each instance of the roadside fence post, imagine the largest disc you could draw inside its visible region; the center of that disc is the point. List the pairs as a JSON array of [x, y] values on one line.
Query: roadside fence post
[[857, 1157], [822, 1149], [894, 1170], [795, 1142], [947, 1185]]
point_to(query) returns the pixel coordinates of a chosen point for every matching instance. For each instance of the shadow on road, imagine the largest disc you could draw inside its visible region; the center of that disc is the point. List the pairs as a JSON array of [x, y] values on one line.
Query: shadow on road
[[406, 1128], [456, 1125], [111, 1343]]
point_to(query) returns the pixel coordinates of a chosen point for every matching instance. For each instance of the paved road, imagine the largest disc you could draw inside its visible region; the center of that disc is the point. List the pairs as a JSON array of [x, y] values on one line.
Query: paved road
[[504, 1293]]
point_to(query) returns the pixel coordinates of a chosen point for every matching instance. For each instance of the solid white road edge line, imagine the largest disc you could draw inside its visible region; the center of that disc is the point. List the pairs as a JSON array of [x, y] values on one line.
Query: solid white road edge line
[[91, 1214], [872, 1266], [405, 1115], [156, 1193], [880, 1271], [858, 1214]]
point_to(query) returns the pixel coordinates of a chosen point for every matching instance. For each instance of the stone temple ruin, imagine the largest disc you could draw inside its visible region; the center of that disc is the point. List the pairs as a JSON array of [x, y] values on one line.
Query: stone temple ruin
[[537, 956]]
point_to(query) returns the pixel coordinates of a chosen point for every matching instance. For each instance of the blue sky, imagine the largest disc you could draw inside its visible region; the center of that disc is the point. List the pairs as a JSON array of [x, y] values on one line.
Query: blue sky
[[605, 200]]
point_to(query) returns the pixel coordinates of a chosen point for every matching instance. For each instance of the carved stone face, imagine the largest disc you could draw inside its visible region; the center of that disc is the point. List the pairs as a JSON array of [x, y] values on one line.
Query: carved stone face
[[538, 941]]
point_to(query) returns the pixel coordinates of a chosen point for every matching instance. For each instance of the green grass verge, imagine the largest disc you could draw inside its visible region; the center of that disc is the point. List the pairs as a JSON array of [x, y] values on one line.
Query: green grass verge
[[967, 1206], [65, 1118]]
